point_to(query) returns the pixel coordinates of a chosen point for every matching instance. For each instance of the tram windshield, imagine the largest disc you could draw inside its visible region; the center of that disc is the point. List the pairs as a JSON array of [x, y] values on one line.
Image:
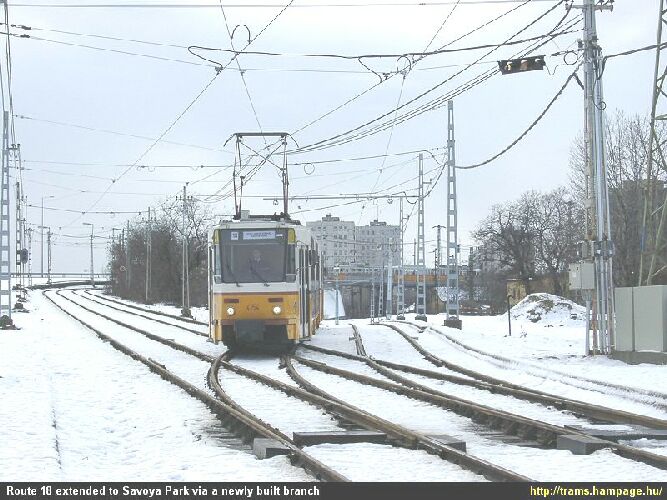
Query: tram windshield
[[253, 255]]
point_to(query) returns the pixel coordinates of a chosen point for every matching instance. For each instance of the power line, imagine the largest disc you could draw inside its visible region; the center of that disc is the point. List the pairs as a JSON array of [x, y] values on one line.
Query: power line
[[530, 127], [115, 132], [372, 87], [359, 132], [265, 5], [187, 108]]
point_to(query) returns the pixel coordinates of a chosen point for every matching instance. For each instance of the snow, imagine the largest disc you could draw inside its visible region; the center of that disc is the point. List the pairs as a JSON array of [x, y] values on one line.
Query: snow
[[398, 464], [198, 313], [537, 464], [75, 409], [548, 309]]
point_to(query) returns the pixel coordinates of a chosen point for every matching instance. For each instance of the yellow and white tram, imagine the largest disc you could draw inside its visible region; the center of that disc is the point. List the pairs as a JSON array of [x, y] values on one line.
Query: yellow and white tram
[[265, 282]]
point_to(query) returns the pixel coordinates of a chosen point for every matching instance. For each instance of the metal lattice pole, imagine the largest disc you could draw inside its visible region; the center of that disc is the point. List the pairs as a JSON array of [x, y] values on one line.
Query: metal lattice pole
[[598, 225], [5, 251], [400, 284], [18, 240], [452, 307], [421, 251], [438, 264]]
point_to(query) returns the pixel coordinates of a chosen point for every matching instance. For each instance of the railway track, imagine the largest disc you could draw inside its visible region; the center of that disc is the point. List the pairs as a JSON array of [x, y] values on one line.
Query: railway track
[[480, 381], [146, 313], [344, 412], [655, 398], [510, 424], [242, 424], [339, 409], [400, 436]]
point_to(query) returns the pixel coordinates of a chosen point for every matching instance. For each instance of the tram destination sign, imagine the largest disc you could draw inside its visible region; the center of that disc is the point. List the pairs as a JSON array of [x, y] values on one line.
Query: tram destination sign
[[259, 235]]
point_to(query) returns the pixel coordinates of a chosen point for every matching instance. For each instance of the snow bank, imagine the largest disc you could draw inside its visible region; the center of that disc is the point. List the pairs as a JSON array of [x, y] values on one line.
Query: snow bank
[[548, 309]]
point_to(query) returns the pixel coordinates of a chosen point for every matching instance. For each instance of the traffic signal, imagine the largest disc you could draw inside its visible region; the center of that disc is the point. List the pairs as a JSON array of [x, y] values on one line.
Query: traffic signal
[[508, 66]]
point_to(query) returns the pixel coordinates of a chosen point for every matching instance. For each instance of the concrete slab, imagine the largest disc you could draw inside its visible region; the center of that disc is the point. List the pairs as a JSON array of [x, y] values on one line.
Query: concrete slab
[[614, 433], [267, 448], [338, 437], [454, 323], [579, 445], [450, 441]]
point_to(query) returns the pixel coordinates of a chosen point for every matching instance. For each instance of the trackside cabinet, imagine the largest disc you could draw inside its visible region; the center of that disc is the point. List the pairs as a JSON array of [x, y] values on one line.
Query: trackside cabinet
[[641, 318]]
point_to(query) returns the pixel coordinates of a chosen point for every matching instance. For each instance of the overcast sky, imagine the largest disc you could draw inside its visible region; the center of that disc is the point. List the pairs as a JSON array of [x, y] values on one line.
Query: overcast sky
[[62, 77]]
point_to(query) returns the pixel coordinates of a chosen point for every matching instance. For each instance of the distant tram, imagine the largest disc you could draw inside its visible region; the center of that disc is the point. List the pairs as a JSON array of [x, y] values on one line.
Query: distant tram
[[265, 282]]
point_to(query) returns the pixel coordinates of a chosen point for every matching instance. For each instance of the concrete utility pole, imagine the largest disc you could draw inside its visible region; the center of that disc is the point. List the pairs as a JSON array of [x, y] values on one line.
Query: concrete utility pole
[[598, 246], [420, 307], [185, 279], [92, 268], [5, 252], [452, 304], [149, 235]]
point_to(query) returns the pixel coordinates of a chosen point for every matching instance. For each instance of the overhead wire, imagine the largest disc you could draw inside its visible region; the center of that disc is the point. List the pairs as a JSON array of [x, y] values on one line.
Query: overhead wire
[[400, 96], [182, 113], [359, 132]]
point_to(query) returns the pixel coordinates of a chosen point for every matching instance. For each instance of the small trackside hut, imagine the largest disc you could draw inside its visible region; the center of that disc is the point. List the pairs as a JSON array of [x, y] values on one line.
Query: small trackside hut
[[265, 282]]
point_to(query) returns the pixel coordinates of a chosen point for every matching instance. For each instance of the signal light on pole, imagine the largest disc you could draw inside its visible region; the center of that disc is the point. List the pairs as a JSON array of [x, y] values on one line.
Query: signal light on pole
[[508, 66]]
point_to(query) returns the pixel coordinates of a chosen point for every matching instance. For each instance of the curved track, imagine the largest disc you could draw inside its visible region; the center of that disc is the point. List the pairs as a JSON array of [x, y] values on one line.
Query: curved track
[[540, 371], [510, 424], [243, 424]]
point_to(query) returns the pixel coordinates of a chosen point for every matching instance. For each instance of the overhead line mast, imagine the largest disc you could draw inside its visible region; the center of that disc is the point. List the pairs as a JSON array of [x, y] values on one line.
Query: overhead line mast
[[598, 247]]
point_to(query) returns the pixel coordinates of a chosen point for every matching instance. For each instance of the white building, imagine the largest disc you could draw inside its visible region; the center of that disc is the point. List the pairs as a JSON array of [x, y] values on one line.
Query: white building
[[336, 240], [372, 244]]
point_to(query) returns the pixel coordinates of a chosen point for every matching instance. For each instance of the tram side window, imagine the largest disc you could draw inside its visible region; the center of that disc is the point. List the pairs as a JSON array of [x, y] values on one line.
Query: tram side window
[[291, 262], [313, 264], [217, 268]]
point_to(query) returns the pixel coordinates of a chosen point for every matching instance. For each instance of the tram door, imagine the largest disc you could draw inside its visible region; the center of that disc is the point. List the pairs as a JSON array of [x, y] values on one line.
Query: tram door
[[303, 304]]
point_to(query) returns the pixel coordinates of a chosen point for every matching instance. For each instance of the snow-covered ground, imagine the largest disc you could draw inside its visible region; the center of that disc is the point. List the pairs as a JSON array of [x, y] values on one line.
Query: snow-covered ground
[[76, 409], [73, 408]]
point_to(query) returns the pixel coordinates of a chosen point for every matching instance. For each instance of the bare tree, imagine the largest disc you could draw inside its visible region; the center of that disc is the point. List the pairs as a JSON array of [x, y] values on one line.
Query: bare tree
[[627, 162], [557, 227], [508, 234], [166, 255]]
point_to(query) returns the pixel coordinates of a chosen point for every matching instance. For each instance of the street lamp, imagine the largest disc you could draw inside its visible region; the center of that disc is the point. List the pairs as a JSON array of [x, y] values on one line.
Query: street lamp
[[41, 234], [48, 253], [92, 234]]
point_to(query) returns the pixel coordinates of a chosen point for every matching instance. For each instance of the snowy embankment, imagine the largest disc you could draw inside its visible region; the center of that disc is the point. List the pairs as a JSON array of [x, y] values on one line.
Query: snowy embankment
[[75, 409]]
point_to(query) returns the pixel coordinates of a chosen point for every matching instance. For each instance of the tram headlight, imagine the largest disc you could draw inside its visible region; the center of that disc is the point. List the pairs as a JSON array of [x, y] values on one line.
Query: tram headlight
[[277, 310], [230, 311]]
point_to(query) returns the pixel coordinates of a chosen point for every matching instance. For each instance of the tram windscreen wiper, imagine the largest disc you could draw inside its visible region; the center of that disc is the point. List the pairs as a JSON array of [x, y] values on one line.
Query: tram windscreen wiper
[[229, 268], [256, 273]]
